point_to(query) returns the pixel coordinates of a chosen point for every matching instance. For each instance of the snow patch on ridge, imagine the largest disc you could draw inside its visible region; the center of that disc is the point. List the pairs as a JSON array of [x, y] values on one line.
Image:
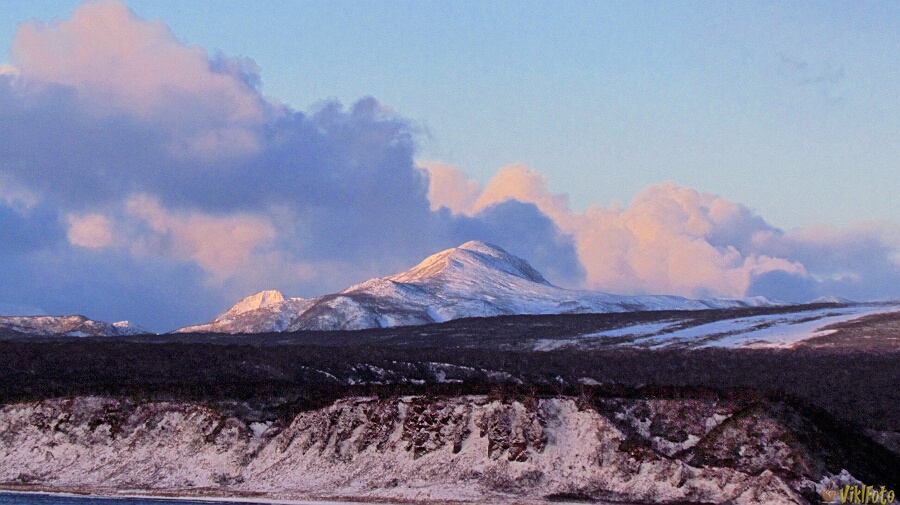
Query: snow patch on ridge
[[768, 330]]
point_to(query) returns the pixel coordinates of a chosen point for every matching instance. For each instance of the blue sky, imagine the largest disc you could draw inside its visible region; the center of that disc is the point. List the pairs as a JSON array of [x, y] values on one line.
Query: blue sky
[[160, 160], [788, 107]]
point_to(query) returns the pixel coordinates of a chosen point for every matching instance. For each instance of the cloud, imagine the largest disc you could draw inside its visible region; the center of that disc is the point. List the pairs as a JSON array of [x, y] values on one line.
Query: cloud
[[90, 230], [681, 241], [674, 240], [14, 196], [144, 179], [859, 262], [143, 151], [117, 62], [8, 70], [449, 187], [223, 246]]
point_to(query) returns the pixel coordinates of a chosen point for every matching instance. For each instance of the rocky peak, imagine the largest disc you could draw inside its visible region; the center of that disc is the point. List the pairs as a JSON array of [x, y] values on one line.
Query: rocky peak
[[253, 302]]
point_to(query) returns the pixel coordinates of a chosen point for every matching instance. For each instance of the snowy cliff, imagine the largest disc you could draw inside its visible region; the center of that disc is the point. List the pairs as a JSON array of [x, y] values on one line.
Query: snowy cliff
[[427, 449]]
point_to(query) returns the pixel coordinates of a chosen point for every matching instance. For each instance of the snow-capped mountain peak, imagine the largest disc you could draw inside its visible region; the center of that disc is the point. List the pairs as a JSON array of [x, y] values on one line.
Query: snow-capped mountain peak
[[471, 260], [253, 302], [475, 279]]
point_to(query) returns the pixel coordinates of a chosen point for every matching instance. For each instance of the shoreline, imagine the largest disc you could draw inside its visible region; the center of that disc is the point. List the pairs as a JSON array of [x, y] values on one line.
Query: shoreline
[[180, 495], [208, 495]]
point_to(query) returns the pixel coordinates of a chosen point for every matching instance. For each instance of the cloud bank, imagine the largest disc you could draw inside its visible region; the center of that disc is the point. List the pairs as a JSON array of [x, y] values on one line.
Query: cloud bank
[[132, 165], [142, 178], [681, 241]]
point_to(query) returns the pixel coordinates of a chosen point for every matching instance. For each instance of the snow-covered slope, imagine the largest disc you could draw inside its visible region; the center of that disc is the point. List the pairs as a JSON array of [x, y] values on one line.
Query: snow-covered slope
[[271, 317], [423, 450], [73, 326], [777, 330], [264, 311], [473, 280]]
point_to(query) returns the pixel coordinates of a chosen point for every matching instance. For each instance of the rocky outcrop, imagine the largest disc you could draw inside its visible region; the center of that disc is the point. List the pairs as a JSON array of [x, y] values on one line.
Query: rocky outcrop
[[470, 448]]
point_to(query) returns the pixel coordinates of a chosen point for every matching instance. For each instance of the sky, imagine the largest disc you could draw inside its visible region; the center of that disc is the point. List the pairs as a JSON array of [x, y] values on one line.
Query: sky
[[160, 160]]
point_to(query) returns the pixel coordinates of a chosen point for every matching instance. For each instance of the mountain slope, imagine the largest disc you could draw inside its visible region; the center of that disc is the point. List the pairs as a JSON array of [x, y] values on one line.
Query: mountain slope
[[73, 326], [473, 280]]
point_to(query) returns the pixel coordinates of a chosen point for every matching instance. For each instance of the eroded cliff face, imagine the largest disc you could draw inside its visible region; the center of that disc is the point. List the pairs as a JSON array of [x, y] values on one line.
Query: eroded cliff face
[[469, 448]]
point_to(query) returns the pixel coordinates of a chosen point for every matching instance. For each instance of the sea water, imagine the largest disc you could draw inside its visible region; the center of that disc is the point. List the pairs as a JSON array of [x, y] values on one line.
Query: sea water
[[11, 498]]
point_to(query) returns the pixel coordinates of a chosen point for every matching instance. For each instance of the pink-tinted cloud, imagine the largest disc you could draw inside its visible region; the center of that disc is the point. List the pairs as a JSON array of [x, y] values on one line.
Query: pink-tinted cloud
[[224, 246], [147, 180], [666, 242], [681, 241], [449, 187], [117, 62], [518, 182], [90, 230], [8, 70]]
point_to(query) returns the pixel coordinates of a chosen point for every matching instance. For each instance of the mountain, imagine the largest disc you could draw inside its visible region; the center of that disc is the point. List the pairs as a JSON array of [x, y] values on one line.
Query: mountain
[[832, 299], [473, 280], [73, 326], [253, 302]]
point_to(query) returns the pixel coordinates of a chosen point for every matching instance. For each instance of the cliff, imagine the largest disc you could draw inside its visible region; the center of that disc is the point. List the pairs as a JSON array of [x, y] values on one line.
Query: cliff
[[428, 449]]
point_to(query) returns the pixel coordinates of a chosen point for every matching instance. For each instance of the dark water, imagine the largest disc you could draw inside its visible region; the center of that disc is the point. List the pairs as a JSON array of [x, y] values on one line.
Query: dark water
[[7, 498], [13, 498], [47, 499]]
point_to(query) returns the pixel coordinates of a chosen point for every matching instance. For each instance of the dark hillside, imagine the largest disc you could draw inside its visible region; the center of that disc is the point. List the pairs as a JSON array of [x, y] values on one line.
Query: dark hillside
[[860, 388]]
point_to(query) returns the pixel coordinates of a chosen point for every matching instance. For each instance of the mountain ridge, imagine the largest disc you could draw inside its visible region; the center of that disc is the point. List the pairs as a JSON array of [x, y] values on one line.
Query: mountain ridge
[[74, 325], [476, 279]]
